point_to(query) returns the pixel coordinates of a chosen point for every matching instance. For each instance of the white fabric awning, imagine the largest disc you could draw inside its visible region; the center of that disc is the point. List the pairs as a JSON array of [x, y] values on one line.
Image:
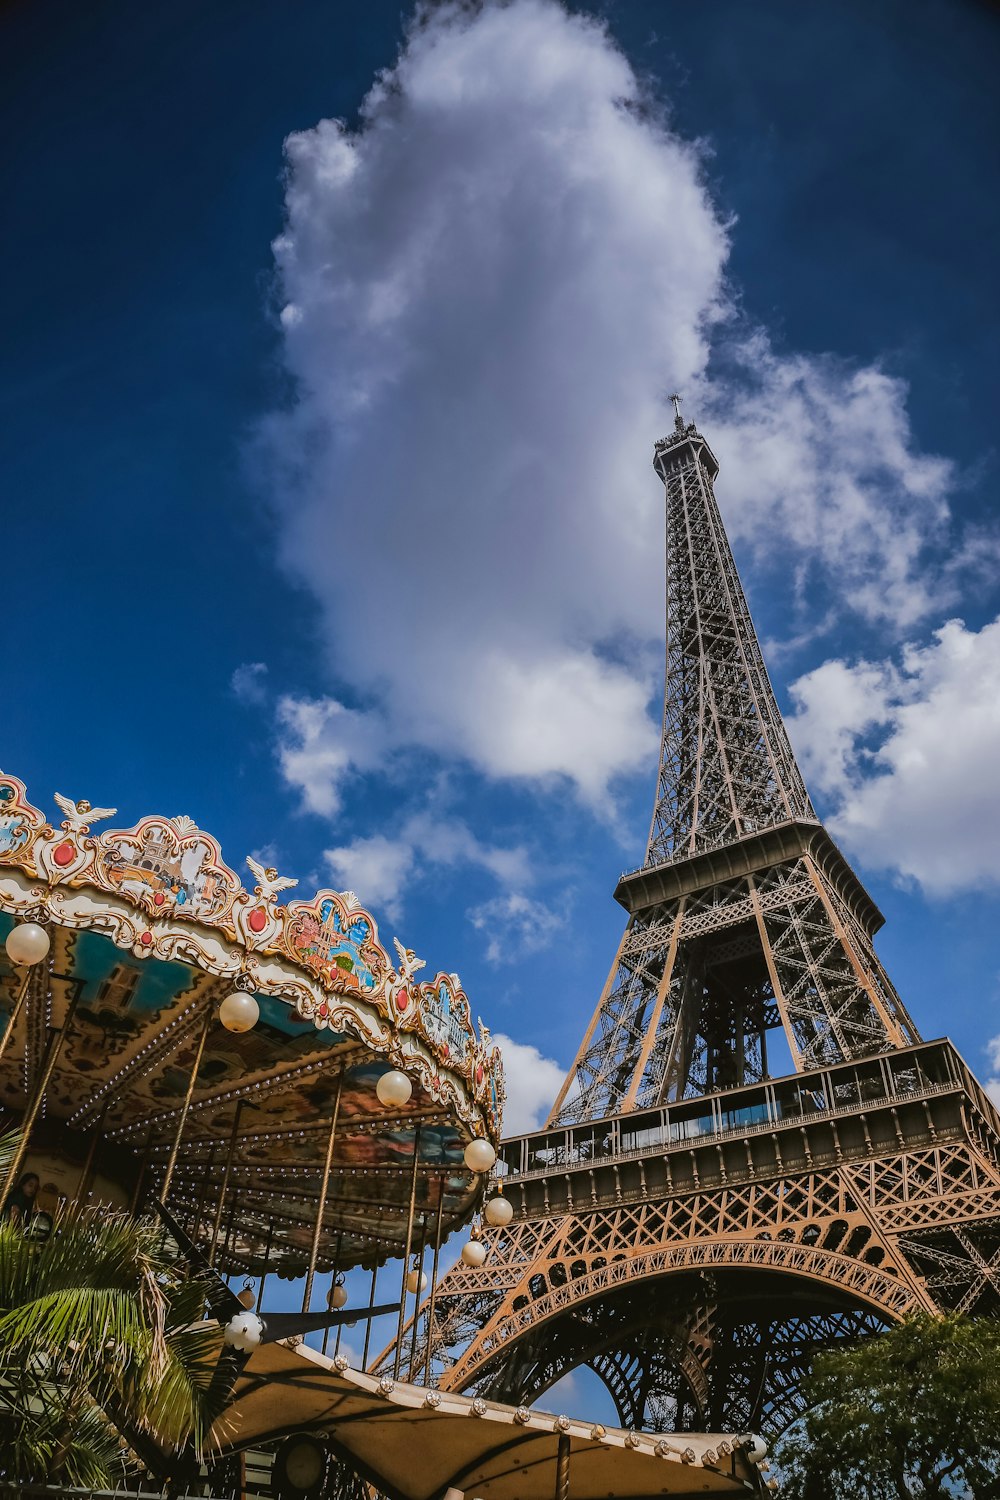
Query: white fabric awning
[[415, 1443]]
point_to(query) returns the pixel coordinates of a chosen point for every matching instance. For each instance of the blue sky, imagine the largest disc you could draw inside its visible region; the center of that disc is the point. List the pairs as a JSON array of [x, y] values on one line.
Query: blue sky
[[330, 515]]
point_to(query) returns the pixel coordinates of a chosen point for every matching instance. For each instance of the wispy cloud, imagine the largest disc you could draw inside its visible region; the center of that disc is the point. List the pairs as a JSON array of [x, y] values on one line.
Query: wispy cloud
[[249, 683], [515, 925], [321, 743], [380, 867]]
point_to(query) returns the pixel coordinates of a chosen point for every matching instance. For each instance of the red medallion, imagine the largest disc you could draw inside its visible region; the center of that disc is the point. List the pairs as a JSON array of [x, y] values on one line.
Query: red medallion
[[257, 920], [146, 939], [158, 898], [402, 1000], [63, 854]]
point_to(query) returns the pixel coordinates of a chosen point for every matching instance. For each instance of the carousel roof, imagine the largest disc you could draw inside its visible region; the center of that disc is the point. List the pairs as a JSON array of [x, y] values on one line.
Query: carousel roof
[[150, 930]]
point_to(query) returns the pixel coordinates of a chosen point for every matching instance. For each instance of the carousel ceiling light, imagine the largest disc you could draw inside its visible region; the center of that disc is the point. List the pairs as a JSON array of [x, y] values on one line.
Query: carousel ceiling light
[[338, 1295], [499, 1211], [479, 1155], [473, 1253], [244, 1332], [239, 1012], [27, 943], [394, 1089], [416, 1281]]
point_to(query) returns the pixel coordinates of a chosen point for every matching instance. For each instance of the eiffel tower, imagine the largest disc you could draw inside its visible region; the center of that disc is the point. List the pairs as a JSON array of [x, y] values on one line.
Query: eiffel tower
[[754, 1153]]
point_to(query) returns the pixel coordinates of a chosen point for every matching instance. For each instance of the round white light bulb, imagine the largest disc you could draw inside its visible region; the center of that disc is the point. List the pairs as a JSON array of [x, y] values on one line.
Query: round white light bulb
[[474, 1253], [338, 1296], [28, 943], [416, 1281], [479, 1155], [498, 1211], [244, 1332], [239, 1012], [394, 1088]]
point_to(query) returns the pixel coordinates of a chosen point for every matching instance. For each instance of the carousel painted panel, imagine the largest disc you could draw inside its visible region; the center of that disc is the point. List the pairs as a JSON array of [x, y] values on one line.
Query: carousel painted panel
[[337, 941], [446, 1022], [167, 866], [20, 821]]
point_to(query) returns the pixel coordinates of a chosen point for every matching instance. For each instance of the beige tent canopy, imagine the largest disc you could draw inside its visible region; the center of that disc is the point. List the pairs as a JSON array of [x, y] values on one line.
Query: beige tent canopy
[[415, 1443]]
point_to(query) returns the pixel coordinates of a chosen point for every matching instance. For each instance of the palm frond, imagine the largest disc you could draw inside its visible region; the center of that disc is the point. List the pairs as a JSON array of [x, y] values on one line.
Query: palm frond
[[8, 1150], [108, 1303]]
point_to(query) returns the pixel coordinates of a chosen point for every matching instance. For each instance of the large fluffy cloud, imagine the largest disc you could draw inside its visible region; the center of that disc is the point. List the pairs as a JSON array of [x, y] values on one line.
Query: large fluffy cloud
[[908, 756], [488, 289]]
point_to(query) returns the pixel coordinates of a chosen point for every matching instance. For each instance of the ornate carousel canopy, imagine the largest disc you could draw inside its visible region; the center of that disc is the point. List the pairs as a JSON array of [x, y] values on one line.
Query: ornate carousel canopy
[[113, 1050]]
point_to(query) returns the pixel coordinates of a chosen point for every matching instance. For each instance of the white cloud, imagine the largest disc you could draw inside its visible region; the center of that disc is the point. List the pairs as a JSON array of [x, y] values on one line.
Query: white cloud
[[378, 868], [908, 755], [992, 1084], [248, 682], [821, 454], [532, 1082], [320, 743], [515, 925], [449, 841], [489, 287]]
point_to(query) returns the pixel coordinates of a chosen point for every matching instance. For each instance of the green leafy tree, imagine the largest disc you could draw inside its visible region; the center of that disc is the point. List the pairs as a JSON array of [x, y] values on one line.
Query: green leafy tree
[[103, 1351], [912, 1414]]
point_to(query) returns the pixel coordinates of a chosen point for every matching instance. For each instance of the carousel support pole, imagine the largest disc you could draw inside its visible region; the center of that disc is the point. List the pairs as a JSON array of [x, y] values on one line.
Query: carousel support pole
[[368, 1321], [50, 1057], [172, 1159], [143, 1167], [562, 1467], [199, 1207], [15, 1012], [87, 1174], [416, 1304], [333, 1283], [229, 1238], [324, 1188], [434, 1278], [224, 1188], [267, 1262], [406, 1254]]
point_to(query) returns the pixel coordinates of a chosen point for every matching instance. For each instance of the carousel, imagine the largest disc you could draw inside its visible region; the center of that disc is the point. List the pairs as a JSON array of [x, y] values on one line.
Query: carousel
[[293, 1102]]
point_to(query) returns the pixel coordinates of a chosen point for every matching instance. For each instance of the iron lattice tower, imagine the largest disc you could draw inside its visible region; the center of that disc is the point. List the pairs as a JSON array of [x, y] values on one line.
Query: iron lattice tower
[[687, 1224]]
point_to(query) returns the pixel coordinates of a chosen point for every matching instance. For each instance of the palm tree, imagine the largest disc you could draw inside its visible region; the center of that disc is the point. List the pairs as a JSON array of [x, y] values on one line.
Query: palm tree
[[105, 1355]]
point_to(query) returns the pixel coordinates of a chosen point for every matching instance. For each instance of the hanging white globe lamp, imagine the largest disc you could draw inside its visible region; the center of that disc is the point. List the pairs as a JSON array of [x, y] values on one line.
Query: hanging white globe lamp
[[479, 1155], [498, 1211], [239, 1011], [474, 1253], [244, 1332], [27, 943], [394, 1089]]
